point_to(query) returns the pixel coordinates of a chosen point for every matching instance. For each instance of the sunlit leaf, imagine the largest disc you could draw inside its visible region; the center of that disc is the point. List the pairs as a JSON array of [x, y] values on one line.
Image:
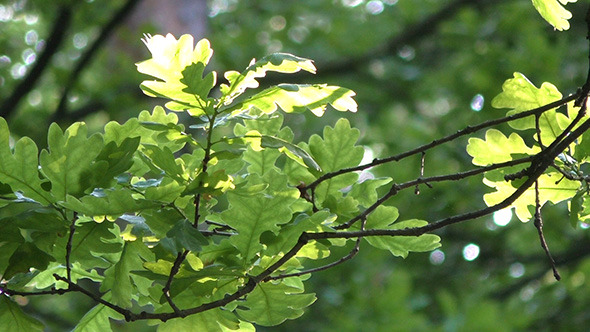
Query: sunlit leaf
[[293, 98], [278, 62], [554, 13], [552, 187], [497, 148], [519, 95]]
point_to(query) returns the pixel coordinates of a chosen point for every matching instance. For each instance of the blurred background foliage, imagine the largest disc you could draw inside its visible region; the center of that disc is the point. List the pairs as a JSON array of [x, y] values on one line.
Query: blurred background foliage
[[422, 69]]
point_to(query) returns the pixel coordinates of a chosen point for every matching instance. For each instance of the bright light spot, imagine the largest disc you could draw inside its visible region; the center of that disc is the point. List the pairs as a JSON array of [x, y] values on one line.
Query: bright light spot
[[262, 37], [477, 102], [516, 270], [34, 98], [29, 56], [351, 3], [390, 2], [298, 34], [31, 19], [40, 46], [277, 23], [407, 53], [470, 252], [367, 158], [80, 40], [584, 225], [221, 6], [4, 60], [377, 68], [375, 7], [502, 217], [6, 13], [437, 257], [31, 37], [18, 70], [527, 293]]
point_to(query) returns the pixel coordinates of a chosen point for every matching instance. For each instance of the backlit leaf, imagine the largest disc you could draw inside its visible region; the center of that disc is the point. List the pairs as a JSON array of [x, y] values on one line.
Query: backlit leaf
[[293, 98], [497, 148], [278, 62], [519, 95], [554, 13]]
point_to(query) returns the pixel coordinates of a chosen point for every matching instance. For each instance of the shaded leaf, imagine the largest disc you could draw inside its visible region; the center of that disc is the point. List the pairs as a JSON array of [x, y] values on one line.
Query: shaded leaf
[[13, 319], [69, 163], [271, 304], [19, 169], [118, 278]]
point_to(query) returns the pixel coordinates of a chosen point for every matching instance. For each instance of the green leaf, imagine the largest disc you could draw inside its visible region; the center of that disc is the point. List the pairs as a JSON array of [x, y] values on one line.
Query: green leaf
[[337, 150], [107, 203], [365, 193], [497, 148], [278, 62], [97, 319], [294, 98], [118, 278], [271, 304], [70, 161], [519, 95], [185, 236], [575, 206], [554, 13], [164, 159], [19, 169], [117, 133], [216, 320], [95, 245], [291, 150], [259, 213], [25, 257], [384, 217], [119, 158], [13, 319]]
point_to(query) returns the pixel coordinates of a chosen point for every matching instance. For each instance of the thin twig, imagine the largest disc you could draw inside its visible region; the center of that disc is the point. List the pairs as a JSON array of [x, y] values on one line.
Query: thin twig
[[343, 259], [173, 271], [69, 246], [423, 148], [539, 225]]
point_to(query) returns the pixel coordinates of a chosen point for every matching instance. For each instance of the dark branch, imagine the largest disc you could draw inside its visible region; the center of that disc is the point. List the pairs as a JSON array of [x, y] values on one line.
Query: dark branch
[[465, 131]]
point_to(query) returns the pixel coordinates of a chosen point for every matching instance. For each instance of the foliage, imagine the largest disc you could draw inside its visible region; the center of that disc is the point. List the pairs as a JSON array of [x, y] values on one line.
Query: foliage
[[222, 223]]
